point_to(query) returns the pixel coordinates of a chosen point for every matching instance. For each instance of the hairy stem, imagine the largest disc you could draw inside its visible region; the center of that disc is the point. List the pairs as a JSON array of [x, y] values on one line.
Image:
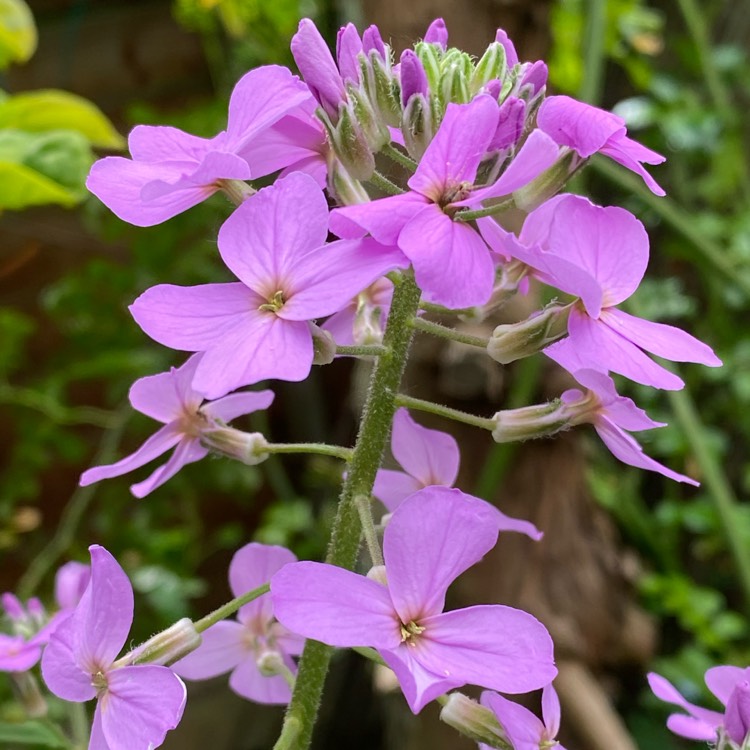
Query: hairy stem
[[364, 508], [444, 332], [321, 449], [399, 157], [365, 350], [445, 411], [230, 608], [383, 183]]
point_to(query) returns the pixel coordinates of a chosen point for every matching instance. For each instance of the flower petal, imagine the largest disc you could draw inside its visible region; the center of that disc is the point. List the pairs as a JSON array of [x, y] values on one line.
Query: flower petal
[[334, 606], [523, 728], [691, 728], [98, 741], [237, 404], [71, 580], [223, 647], [164, 396], [722, 680], [630, 154], [17, 654], [61, 670], [383, 218], [247, 681], [551, 710], [392, 487], [433, 537], [187, 452]]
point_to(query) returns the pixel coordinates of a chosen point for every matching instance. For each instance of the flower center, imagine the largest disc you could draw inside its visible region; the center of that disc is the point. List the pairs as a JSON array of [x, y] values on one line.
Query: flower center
[[453, 193], [275, 303], [99, 682], [410, 631]]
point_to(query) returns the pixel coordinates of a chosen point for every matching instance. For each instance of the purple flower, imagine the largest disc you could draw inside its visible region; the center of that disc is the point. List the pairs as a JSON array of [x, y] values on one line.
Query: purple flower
[[170, 398], [437, 33], [256, 641], [413, 77], [600, 255], [431, 539], [511, 56], [451, 262], [523, 728], [429, 458], [588, 130], [171, 171], [70, 583], [136, 705]]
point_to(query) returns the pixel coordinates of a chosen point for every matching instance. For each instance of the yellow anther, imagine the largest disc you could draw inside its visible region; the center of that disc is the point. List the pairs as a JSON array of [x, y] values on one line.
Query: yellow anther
[[275, 303]]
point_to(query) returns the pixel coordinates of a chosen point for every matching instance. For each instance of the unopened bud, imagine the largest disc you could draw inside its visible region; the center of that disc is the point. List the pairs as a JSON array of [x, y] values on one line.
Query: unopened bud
[[377, 573], [417, 126], [548, 183], [518, 340], [474, 721], [374, 129], [270, 663], [383, 89], [324, 347], [528, 422], [456, 74], [490, 67], [236, 190], [165, 648], [350, 145], [343, 187], [430, 56], [247, 447]]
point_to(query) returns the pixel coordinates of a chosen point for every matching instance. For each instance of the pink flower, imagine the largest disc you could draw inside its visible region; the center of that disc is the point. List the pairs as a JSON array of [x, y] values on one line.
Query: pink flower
[[431, 539], [136, 705], [171, 171], [523, 728], [256, 641], [170, 398], [588, 130], [258, 328]]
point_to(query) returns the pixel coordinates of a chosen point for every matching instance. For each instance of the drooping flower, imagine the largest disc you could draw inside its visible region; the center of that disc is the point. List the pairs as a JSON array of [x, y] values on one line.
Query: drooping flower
[[432, 538], [524, 730], [136, 705], [258, 328], [171, 171], [256, 648], [190, 426], [452, 263], [600, 255], [589, 130], [429, 458]]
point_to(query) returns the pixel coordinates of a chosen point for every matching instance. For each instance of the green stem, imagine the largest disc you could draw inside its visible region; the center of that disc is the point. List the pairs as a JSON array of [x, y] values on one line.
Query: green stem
[[79, 725], [372, 350], [383, 183], [399, 157], [427, 326], [717, 483], [343, 547], [445, 411], [440, 310], [230, 608], [364, 508], [479, 213], [593, 51], [290, 734], [321, 449]]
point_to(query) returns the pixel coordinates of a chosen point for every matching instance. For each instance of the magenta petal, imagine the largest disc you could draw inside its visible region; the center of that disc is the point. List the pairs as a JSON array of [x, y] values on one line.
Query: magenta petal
[[334, 606], [519, 525], [348, 49], [392, 487], [433, 537], [247, 681], [630, 154], [223, 647], [259, 243], [523, 728], [193, 318], [61, 671], [493, 646], [252, 566], [383, 218], [511, 56], [167, 395], [237, 404], [452, 264], [458, 147], [664, 690], [187, 451], [551, 710], [430, 456], [160, 143], [437, 33], [691, 728], [626, 448], [141, 705], [722, 680], [660, 339], [160, 442]]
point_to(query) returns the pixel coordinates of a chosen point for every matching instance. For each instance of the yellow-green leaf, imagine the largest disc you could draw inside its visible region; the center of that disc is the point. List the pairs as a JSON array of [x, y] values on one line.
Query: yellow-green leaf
[[50, 109], [21, 186], [17, 32]]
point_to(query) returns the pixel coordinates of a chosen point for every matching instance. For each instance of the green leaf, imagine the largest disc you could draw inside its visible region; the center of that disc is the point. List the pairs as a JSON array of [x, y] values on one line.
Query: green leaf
[[17, 32], [21, 187], [30, 733], [50, 109]]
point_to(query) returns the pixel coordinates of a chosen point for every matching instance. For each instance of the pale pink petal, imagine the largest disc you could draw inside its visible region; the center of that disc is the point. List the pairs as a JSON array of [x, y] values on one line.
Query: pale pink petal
[[187, 451], [61, 671], [141, 705], [334, 606], [259, 99], [523, 728], [660, 339], [215, 165], [264, 347], [160, 442], [630, 154], [160, 143], [627, 449], [251, 567], [551, 710], [419, 685], [237, 404], [519, 525], [223, 647], [98, 741], [247, 681], [458, 147], [392, 487], [261, 245], [493, 646], [194, 318], [433, 537], [722, 680], [691, 728], [159, 397], [452, 264], [430, 456], [383, 218], [286, 642]]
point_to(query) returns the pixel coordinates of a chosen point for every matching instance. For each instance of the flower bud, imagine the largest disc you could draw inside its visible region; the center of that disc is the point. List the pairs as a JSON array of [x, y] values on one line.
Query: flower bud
[[517, 340], [350, 145], [417, 126], [473, 720], [373, 42], [528, 422], [511, 55], [437, 33], [374, 129], [548, 183], [490, 67], [324, 347], [348, 48], [165, 648], [270, 663], [377, 573], [383, 88], [343, 187], [430, 56], [413, 77], [247, 447], [456, 70]]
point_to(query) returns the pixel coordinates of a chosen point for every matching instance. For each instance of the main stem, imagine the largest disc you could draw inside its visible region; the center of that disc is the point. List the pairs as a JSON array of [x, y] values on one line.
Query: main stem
[[343, 547]]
